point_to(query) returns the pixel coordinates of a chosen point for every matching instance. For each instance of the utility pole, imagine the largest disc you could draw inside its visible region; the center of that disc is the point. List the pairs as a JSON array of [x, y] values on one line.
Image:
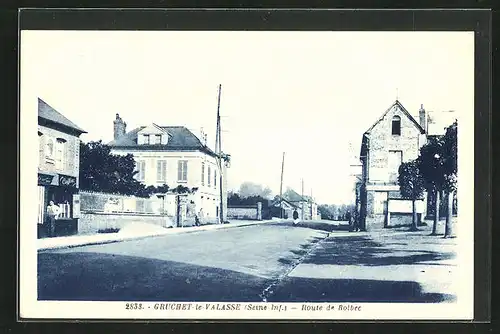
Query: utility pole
[[312, 203], [218, 150], [281, 185], [302, 202]]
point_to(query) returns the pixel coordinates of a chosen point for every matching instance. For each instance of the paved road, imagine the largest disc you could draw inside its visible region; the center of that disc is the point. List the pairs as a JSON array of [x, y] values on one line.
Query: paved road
[[235, 264], [275, 262]]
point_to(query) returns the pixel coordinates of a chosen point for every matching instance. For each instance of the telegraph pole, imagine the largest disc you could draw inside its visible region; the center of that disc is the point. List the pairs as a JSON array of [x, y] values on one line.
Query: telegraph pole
[[218, 150], [281, 185], [302, 202]]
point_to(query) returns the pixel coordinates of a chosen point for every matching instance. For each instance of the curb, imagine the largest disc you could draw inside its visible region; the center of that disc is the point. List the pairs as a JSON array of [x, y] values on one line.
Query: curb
[[103, 242]]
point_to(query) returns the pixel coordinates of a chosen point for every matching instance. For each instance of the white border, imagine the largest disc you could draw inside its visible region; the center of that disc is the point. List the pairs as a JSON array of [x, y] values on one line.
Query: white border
[[31, 308]]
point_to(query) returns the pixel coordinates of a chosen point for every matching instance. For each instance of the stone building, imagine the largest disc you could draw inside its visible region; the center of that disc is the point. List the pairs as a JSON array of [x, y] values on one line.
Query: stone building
[[394, 138], [173, 155], [58, 169]]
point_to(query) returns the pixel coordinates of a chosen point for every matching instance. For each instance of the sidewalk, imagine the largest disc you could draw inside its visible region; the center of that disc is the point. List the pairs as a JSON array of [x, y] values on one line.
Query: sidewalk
[[382, 266], [133, 231]]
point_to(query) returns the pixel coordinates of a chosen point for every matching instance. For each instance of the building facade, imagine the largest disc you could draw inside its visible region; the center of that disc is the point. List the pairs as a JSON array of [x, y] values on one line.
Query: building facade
[[173, 155], [58, 170], [394, 138]]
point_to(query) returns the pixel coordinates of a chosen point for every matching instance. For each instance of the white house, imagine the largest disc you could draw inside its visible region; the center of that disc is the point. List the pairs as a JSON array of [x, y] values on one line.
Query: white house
[[173, 155]]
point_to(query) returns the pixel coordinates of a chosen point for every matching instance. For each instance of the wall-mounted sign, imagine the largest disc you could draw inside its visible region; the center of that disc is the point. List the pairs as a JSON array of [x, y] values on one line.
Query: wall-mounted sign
[[45, 179], [68, 181], [405, 206]]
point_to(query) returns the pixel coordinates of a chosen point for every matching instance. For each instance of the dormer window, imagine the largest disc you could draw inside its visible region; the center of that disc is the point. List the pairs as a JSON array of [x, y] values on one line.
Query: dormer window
[[152, 135], [396, 126]]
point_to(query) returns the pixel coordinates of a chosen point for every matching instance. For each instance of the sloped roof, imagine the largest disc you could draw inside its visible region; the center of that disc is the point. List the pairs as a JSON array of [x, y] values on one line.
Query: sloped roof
[[308, 198], [403, 109], [180, 138], [48, 113], [292, 196], [366, 139], [276, 203]]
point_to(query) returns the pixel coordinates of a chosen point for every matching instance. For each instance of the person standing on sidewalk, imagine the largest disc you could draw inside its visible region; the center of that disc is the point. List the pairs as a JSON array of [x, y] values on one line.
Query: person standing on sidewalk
[[199, 217], [52, 213], [295, 217], [355, 222]]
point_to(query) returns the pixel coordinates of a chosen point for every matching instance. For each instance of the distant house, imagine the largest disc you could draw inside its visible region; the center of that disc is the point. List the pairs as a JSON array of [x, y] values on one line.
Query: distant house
[[306, 204], [173, 155], [394, 138], [58, 169], [287, 208]]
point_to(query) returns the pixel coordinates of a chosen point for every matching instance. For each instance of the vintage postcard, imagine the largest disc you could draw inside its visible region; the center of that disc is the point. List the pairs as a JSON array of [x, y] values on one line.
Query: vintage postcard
[[292, 175]]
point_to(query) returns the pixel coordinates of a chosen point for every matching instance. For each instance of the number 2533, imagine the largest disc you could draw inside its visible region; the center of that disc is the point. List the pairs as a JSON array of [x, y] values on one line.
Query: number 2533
[[133, 306]]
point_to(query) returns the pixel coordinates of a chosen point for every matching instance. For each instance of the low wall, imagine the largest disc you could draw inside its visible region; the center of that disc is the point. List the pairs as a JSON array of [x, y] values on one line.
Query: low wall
[[92, 222], [400, 219], [245, 212], [375, 222]]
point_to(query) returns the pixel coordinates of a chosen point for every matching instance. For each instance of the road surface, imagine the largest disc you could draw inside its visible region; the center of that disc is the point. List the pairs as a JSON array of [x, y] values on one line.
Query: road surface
[[234, 264], [274, 262]]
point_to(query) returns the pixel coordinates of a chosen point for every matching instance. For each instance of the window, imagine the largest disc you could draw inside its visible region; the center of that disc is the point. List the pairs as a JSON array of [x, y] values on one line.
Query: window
[[40, 148], [182, 171], [145, 139], [209, 177], [161, 171], [202, 173], [49, 149], [157, 140], [141, 169], [396, 126], [215, 179], [60, 145], [395, 160]]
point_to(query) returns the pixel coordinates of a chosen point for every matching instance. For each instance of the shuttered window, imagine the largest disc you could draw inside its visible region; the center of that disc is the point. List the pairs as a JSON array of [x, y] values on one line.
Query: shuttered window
[[161, 171], [60, 150], [182, 171], [202, 173], [209, 177], [141, 170]]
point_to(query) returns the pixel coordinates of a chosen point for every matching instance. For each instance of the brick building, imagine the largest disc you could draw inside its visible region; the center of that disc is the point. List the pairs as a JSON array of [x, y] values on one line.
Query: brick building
[[58, 169], [173, 155], [394, 138]]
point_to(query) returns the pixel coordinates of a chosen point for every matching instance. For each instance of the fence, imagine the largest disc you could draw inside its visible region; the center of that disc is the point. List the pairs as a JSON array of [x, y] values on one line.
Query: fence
[[111, 203]]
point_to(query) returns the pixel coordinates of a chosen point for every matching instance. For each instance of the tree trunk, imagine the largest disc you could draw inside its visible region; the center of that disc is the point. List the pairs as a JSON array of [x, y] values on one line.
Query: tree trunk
[[436, 213], [448, 229], [414, 216]]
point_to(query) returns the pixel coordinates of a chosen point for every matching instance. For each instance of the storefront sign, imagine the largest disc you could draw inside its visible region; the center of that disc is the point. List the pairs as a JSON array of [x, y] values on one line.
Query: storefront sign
[[45, 179], [68, 181], [405, 206]]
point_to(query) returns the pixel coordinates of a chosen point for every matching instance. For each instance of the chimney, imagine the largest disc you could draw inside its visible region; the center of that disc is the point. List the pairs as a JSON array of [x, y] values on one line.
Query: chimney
[[423, 121], [202, 135], [119, 127]]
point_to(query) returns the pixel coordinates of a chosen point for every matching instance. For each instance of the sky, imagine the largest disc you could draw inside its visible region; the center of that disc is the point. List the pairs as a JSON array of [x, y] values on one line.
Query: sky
[[308, 94]]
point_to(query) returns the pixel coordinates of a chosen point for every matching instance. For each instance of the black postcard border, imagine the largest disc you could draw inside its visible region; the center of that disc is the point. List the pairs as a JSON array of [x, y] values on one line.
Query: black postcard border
[[270, 19]]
